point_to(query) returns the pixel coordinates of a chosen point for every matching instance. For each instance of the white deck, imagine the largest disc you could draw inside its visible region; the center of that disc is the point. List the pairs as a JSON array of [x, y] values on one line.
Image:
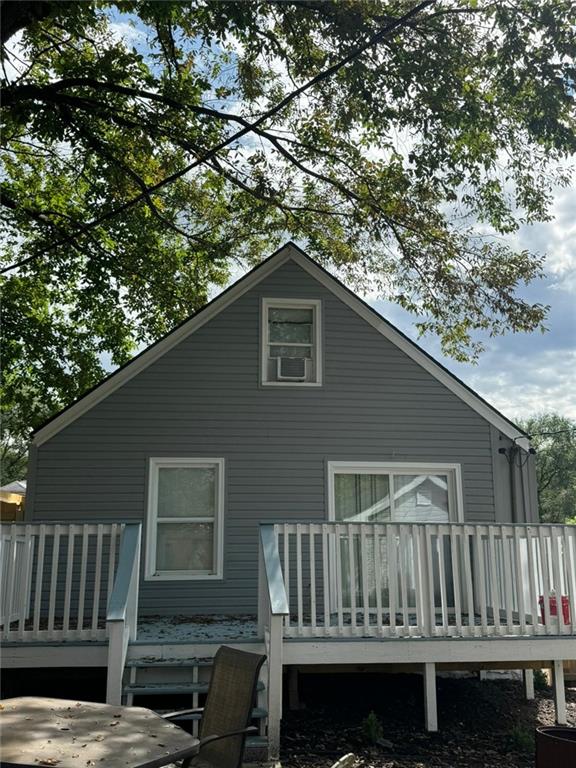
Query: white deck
[[423, 595]]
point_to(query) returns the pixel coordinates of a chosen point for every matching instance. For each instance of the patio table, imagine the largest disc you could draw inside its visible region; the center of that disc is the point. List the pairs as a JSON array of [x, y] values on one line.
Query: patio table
[[43, 732]]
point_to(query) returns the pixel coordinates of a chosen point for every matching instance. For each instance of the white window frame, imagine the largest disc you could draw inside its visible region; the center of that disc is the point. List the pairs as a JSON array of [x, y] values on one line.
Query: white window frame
[[316, 306], [155, 464], [453, 471]]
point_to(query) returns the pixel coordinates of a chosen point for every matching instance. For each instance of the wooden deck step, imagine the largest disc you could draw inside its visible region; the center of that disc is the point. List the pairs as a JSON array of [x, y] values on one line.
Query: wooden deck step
[[179, 663], [165, 689]]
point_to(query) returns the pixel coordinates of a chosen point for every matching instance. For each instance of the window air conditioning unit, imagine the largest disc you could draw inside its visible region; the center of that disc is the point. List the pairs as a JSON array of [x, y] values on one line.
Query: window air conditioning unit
[[291, 368]]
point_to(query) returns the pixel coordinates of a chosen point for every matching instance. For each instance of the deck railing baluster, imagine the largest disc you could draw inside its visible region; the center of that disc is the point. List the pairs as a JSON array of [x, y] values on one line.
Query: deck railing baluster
[[494, 590], [326, 586], [403, 562], [352, 576], [364, 567], [97, 580], [445, 628], [68, 585], [455, 558], [377, 538], [312, 565], [545, 575], [392, 570], [557, 559], [517, 541], [507, 567], [481, 592], [299, 595], [54, 579], [82, 584]]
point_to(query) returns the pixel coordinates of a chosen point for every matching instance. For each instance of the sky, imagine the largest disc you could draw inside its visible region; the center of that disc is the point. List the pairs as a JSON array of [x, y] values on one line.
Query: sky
[[526, 374]]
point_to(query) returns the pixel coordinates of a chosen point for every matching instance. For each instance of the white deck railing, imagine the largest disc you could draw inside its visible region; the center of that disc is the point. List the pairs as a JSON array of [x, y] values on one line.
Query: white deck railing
[[56, 580], [426, 580], [122, 615]]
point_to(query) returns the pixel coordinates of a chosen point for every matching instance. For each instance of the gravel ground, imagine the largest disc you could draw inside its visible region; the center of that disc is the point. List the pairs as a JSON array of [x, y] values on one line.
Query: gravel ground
[[484, 724]]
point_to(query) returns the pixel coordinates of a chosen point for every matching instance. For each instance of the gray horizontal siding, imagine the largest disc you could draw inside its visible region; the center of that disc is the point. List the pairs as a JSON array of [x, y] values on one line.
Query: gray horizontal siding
[[203, 399]]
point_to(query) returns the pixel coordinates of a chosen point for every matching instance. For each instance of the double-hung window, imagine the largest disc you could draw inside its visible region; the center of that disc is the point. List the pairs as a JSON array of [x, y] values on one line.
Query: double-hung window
[[185, 518], [290, 342]]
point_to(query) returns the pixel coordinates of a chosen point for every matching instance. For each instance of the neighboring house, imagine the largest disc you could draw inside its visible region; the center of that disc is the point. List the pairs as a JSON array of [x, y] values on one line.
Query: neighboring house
[[12, 498], [288, 452]]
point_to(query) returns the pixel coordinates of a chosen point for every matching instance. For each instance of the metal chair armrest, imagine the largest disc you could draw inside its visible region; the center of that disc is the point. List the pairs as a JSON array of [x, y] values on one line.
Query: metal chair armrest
[[217, 737], [183, 712]]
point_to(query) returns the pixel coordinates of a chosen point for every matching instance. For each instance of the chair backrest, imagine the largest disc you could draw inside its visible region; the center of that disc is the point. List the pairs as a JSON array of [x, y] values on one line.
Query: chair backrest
[[231, 696]]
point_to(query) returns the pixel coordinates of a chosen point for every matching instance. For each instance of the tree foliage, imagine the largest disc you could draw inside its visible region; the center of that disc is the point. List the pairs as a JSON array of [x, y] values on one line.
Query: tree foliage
[[400, 171], [554, 438]]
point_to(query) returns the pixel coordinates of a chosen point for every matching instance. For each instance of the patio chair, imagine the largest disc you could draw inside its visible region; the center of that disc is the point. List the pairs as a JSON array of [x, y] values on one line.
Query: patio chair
[[227, 713]]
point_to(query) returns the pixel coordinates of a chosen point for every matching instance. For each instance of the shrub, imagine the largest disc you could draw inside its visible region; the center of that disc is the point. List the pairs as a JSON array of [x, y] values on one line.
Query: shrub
[[372, 728], [522, 739], [540, 680]]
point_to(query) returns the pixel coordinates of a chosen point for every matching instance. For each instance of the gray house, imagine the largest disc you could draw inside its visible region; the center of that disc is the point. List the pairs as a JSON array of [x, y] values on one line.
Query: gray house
[[287, 452]]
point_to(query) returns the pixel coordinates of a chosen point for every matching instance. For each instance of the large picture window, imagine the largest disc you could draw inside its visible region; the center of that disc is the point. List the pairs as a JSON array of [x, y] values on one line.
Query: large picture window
[[291, 354], [185, 518], [395, 493]]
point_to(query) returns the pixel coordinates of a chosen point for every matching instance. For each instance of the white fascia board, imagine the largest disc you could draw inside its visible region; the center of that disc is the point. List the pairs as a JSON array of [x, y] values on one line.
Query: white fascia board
[[413, 351], [157, 350]]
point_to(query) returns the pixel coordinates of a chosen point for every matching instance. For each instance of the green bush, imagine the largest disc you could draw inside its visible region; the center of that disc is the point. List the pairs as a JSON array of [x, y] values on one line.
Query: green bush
[[540, 680], [372, 728], [522, 739]]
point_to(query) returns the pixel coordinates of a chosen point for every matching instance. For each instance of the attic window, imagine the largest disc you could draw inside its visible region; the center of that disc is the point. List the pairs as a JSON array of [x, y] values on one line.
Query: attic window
[[291, 342]]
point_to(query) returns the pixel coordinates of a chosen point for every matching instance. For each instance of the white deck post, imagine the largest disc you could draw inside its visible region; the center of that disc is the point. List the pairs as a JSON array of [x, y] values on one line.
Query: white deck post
[[274, 686], [559, 692], [528, 675], [116, 639], [430, 705], [262, 591]]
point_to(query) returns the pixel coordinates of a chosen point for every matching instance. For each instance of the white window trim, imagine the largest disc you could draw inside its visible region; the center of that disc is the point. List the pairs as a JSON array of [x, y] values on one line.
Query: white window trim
[[314, 304], [151, 574], [455, 493]]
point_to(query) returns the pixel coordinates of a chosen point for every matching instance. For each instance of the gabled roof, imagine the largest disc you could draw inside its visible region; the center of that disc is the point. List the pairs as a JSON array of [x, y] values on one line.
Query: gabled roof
[[288, 252]]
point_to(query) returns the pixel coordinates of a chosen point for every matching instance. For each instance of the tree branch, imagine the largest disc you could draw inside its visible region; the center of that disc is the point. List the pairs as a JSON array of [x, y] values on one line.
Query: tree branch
[[320, 77]]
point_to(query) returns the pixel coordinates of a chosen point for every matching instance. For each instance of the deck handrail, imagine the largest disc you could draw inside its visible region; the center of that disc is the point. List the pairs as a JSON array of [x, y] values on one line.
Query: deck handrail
[[125, 573], [122, 614], [277, 598], [444, 579]]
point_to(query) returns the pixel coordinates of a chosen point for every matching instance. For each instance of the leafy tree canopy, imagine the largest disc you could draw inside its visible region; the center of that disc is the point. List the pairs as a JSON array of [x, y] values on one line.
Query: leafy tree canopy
[[401, 170], [554, 438]]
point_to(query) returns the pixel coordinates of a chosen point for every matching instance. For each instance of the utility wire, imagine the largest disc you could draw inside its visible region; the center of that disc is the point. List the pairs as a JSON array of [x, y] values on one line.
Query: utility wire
[[210, 153]]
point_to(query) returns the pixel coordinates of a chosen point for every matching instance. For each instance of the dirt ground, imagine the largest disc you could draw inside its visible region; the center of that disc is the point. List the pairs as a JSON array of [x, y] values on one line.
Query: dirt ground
[[483, 724]]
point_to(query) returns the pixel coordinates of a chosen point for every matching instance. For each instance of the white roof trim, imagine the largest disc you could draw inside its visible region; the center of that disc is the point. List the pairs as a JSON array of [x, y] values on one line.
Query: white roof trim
[[153, 353]]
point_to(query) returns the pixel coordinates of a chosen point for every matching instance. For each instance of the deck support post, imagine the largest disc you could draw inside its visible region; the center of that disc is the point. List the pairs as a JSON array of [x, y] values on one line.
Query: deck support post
[[117, 641], [274, 685], [528, 675], [559, 692], [262, 594], [430, 704]]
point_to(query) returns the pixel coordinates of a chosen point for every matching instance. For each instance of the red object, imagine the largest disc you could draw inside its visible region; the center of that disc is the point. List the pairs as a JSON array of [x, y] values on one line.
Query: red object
[[553, 608]]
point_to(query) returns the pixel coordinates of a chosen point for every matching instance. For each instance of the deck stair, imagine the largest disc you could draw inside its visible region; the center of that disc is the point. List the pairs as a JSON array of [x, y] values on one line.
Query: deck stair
[[148, 678]]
